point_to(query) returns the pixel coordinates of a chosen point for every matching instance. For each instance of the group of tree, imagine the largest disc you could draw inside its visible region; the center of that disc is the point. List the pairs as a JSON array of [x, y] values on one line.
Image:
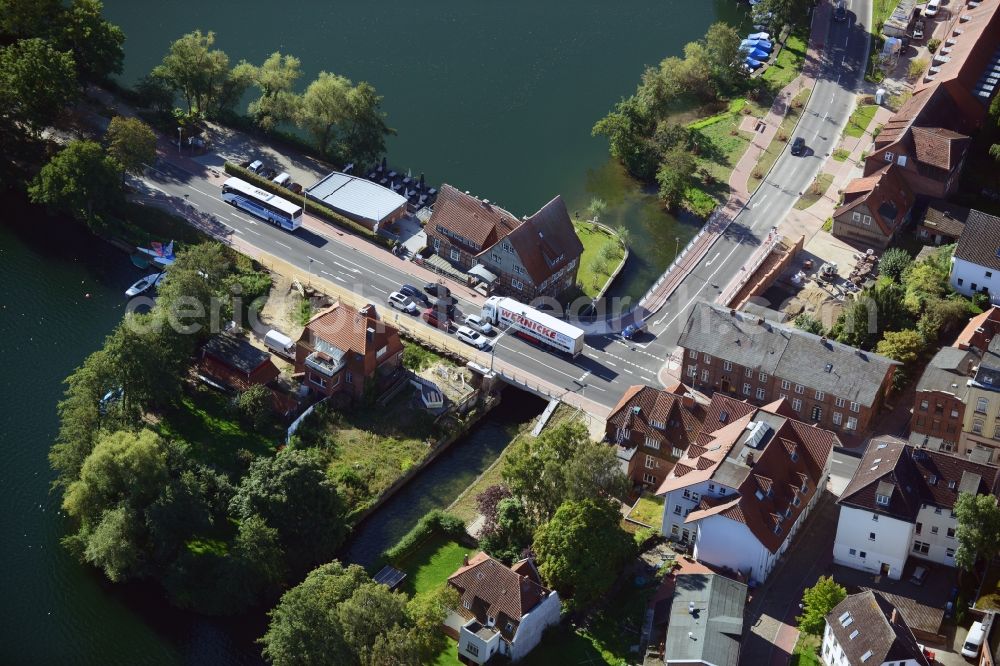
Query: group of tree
[[817, 602], [558, 502], [337, 615], [50, 50], [978, 530], [345, 120], [905, 314]]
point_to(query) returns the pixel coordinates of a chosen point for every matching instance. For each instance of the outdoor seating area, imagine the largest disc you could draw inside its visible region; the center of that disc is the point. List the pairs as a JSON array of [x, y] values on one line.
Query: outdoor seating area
[[415, 190]]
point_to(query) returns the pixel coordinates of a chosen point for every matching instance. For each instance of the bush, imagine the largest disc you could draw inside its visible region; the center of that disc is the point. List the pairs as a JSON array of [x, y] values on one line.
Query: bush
[[255, 406], [782, 137], [758, 174], [828, 225], [933, 45], [645, 535], [433, 521], [894, 263], [916, 68], [417, 358], [699, 202], [311, 206]]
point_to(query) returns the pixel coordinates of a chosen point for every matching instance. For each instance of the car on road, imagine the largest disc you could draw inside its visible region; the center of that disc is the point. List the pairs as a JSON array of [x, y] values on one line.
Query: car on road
[[437, 290], [932, 7], [477, 323], [436, 319], [402, 302], [473, 338], [839, 11], [918, 30], [415, 294], [632, 330], [798, 146]]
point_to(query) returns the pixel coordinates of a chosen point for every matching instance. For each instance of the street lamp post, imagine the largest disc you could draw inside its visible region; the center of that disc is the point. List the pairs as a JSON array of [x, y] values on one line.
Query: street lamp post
[[310, 271], [493, 348], [179, 139], [677, 246]]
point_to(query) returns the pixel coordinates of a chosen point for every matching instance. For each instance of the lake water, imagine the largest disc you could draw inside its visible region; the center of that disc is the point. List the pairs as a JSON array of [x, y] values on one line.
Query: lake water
[[494, 98], [497, 99]]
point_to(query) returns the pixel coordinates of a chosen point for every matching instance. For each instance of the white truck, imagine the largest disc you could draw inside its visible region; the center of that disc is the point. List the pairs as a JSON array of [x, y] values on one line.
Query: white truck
[[533, 324]]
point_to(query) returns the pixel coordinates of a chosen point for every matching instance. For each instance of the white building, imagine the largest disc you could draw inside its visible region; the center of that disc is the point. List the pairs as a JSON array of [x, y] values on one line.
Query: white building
[[743, 490], [504, 609], [866, 630], [899, 504], [975, 266]]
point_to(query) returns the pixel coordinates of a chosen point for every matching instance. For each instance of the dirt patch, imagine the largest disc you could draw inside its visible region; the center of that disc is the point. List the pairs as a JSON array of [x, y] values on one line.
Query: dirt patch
[[455, 382]]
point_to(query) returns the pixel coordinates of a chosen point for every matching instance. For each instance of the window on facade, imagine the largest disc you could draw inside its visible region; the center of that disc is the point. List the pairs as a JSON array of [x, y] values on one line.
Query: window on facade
[[674, 530], [855, 407], [746, 389], [820, 395], [817, 413], [888, 156], [855, 216], [951, 533], [317, 380], [497, 258], [652, 443], [982, 404], [649, 478], [977, 427], [623, 433], [796, 404], [921, 547], [472, 649], [455, 254], [677, 509], [692, 371], [707, 359], [839, 402], [727, 365], [692, 354], [874, 517], [949, 552], [517, 284], [923, 405], [650, 462], [678, 452], [862, 554], [763, 377], [852, 551], [882, 499], [437, 244], [954, 413], [518, 269], [800, 389], [704, 375], [785, 385], [349, 377], [838, 418], [919, 527], [871, 536], [934, 529], [748, 372], [852, 423], [960, 282], [687, 493], [760, 394], [989, 274]]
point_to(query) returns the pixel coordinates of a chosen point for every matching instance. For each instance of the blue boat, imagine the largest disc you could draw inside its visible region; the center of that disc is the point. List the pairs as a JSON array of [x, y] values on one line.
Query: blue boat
[[759, 35], [758, 54], [751, 63]]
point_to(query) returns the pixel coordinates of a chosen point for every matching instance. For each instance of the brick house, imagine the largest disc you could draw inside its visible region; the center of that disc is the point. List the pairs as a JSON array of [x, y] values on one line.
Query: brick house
[[651, 428], [942, 223], [343, 350], [940, 399], [742, 491], [531, 257], [874, 208], [980, 330], [504, 610], [835, 386], [233, 362]]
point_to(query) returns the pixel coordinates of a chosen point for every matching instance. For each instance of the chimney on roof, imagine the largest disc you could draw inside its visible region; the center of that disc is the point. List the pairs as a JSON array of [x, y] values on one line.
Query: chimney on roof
[[486, 203], [367, 311], [465, 560], [732, 312], [970, 367], [760, 321], [892, 620], [750, 459], [370, 334], [687, 400]]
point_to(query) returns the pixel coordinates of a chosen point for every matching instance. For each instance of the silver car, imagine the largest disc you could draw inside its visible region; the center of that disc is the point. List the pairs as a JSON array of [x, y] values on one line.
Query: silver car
[[477, 323], [401, 302], [473, 338]]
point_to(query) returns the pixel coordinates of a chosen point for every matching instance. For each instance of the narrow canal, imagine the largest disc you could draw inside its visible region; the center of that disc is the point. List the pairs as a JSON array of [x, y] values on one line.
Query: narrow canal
[[441, 483]]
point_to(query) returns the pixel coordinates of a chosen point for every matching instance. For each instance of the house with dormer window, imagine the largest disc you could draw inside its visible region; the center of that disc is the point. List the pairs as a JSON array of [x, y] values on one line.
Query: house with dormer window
[[899, 505], [524, 258]]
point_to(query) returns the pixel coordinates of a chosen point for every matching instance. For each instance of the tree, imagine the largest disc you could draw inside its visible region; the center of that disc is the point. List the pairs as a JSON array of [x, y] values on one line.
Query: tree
[[817, 602], [674, 176], [292, 493], [195, 71], [96, 44], [144, 362], [507, 531], [978, 531], [22, 19], [942, 316], [894, 263], [582, 549], [37, 83], [80, 180], [627, 129], [255, 405], [809, 324], [906, 346], [367, 613], [362, 138], [324, 108], [722, 44], [276, 80], [131, 143], [924, 281], [695, 72], [784, 11], [563, 463], [304, 627], [596, 208]]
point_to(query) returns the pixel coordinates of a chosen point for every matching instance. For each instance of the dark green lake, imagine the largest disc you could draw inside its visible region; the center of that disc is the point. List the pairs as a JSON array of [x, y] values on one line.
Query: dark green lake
[[498, 99]]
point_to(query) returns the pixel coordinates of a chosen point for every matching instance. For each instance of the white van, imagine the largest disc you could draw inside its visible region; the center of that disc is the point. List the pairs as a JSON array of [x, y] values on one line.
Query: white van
[[255, 166], [282, 179], [279, 343], [973, 641], [932, 7]]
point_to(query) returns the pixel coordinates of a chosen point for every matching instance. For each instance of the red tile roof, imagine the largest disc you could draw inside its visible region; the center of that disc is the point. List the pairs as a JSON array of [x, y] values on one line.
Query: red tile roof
[[886, 195], [980, 330], [473, 219], [682, 424], [546, 241], [939, 147]]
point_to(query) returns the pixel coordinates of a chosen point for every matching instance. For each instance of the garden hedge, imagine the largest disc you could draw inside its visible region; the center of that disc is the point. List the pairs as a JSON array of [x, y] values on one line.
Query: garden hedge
[[433, 521]]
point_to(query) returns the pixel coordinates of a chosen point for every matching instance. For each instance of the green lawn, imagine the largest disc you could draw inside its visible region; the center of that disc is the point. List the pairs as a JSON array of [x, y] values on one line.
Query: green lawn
[[860, 120], [720, 146], [205, 422], [428, 566], [595, 269], [841, 155], [806, 652], [815, 191], [648, 510], [788, 64], [775, 148]]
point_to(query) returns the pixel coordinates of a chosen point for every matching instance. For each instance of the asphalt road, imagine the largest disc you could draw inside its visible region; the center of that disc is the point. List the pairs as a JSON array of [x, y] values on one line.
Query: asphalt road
[[608, 365]]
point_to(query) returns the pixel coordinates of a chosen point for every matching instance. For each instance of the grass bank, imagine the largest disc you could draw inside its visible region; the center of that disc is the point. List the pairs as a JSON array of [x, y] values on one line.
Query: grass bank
[[603, 253], [860, 120], [815, 191], [789, 62]]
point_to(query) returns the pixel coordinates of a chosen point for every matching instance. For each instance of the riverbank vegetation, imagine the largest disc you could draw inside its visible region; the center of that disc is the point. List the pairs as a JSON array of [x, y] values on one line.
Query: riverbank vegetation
[[647, 134]]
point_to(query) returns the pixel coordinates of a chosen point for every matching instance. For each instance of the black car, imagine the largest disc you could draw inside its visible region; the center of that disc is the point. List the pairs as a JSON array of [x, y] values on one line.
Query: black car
[[798, 146], [437, 289], [415, 294]]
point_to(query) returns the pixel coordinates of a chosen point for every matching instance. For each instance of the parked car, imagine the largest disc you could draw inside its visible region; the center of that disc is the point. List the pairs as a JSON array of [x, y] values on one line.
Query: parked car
[[477, 323], [401, 302], [919, 575], [267, 172], [282, 179], [798, 146], [473, 338], [973, 641], [839, 11], [632, 330], [918, 30], [437, 289], [932, 7], [436, 319], [415, 294], [443, 306], [255, 167], [295, 188]]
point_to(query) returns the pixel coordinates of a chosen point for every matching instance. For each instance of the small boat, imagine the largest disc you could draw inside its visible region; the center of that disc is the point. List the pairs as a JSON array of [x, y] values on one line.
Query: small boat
[[751, 63], [759, 35], [758, 54], [145, 284]]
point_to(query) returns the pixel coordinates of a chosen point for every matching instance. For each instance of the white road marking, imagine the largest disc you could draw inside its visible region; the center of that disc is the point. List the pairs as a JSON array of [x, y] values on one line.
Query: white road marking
[[316, 260], [612, 364], [660, 320], [378, 289], [254, 232], [536, 361], [283, 244], [709, 262]]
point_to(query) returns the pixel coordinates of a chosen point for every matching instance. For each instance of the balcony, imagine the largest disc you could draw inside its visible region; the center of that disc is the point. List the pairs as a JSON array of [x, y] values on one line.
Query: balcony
[[326, 364]]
